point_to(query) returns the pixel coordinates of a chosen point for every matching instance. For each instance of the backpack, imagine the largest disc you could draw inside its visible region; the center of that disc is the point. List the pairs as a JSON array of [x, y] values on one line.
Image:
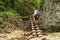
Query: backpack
[[38, 14]]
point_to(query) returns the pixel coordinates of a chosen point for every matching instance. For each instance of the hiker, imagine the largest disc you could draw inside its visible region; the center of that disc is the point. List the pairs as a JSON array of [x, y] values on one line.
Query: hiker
[[36, 15]]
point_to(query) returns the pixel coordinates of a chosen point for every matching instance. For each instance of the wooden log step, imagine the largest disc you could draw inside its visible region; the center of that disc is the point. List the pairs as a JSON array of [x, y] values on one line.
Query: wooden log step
[[37, 28], [39, 36], [33, 28], [34, 34], [39, 31], [31, 36]]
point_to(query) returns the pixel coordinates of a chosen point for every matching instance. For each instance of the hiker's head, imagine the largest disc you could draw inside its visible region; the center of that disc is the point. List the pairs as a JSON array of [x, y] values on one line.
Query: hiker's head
[[35, 8]]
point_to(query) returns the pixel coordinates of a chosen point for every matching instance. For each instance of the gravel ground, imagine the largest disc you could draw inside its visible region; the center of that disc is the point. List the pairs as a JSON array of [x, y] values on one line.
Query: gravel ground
[[48, 38], [53, 36]]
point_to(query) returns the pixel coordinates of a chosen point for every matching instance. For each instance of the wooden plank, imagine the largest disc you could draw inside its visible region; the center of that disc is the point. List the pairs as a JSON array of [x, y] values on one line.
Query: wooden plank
[[25, 16]]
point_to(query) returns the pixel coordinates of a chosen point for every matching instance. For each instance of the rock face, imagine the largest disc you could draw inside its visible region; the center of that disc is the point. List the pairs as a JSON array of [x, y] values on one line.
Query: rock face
[[51, 12]]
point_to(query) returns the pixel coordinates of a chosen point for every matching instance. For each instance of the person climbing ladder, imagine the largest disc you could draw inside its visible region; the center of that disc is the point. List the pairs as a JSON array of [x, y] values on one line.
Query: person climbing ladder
[[36, 15]]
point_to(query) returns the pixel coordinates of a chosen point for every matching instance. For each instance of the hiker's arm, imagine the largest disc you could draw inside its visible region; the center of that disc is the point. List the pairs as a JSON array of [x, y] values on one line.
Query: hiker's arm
[[34, 13]]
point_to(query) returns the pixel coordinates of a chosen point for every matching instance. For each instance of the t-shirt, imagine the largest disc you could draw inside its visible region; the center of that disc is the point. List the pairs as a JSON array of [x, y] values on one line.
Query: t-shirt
[[36, 12]]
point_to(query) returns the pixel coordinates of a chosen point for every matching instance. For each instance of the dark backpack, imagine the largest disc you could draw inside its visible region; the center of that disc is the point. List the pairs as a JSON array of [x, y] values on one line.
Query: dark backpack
[[38, 14]]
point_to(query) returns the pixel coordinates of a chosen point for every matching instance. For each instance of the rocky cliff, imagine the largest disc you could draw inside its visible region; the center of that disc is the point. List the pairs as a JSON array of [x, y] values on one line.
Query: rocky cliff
[[51, 13]]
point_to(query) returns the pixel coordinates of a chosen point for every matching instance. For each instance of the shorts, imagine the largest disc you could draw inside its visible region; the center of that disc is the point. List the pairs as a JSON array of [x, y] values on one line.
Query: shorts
[[36, 17]]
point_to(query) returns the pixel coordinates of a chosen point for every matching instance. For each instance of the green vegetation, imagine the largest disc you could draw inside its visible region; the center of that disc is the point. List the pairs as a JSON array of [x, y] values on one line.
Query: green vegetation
[[23, 7], [1, 19], [10, 13]]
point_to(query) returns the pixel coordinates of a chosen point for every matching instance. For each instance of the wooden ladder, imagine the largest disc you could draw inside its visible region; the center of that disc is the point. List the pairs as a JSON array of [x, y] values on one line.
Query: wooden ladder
[[36, 32]]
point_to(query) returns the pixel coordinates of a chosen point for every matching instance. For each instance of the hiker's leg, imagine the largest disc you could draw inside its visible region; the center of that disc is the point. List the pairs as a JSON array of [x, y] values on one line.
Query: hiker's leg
[[33, 18]]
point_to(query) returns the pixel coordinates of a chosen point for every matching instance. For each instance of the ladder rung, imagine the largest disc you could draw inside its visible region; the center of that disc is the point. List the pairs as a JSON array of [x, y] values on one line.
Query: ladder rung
[[29, 37], [39, 36], [33, 28], [39, 33]]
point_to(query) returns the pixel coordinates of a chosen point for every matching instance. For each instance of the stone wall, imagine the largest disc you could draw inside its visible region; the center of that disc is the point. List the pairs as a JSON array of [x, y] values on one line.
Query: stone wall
[[51, 12]]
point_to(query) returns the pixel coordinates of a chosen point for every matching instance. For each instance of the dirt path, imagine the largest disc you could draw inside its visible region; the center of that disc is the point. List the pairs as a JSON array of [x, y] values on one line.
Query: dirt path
[[18, 35], [48, 38]]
